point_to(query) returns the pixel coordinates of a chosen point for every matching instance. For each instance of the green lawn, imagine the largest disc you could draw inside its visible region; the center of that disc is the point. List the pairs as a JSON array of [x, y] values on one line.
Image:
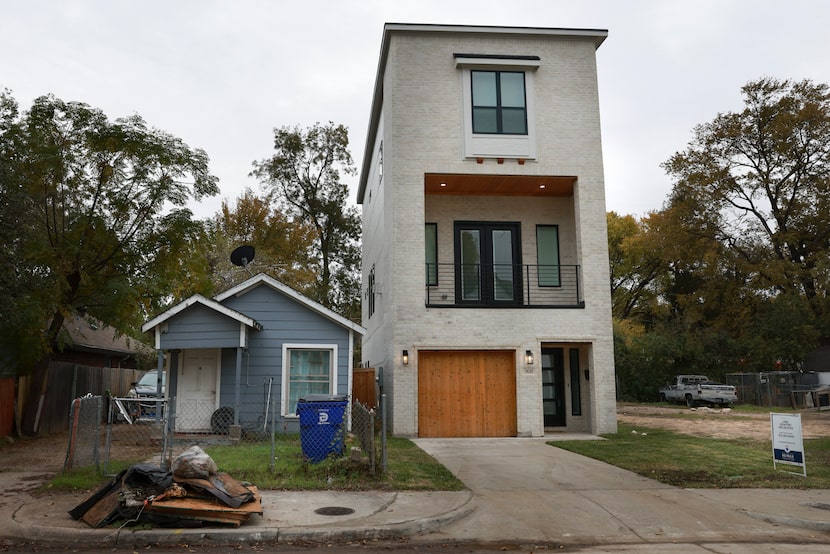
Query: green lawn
[[694, 462], [673, 458], [408, 468]]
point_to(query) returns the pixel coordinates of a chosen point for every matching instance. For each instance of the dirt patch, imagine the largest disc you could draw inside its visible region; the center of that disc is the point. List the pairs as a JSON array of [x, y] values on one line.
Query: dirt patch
[[717, 423], [46, 453]]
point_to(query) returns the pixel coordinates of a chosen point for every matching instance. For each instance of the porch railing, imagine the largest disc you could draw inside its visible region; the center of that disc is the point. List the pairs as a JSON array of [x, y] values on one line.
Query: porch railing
[[503, 285]]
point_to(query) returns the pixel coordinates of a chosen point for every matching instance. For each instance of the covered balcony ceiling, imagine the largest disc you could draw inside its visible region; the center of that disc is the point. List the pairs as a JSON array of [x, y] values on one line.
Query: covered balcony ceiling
[[498, 185]]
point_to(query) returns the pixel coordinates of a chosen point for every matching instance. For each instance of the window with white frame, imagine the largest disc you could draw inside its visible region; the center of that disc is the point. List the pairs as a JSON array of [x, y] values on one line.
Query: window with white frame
[[307, 369], [499, 107]]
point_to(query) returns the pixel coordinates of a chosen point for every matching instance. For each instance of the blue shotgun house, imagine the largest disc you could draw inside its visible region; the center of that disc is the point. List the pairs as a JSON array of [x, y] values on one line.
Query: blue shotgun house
[[245, 357]]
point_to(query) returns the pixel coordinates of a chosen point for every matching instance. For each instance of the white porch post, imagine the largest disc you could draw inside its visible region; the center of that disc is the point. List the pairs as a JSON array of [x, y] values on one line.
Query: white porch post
[[236, 387]]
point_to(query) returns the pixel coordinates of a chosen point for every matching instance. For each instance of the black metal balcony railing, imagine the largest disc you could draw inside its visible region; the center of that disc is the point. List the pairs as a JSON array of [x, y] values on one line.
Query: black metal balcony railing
[[503, 285]]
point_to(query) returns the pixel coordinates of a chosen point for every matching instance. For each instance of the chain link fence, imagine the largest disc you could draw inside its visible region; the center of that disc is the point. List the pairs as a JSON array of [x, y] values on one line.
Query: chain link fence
[[366, 433], [106, 430], [84, 433], [157, 430], [777, 388], [136, 431]]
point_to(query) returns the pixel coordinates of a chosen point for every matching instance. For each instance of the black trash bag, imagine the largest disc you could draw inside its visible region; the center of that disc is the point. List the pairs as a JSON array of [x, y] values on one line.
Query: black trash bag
[[148, 477]]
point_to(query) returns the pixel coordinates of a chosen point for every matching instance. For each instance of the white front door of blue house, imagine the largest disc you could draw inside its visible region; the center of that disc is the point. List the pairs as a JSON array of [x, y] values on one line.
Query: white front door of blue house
[[198, 384]]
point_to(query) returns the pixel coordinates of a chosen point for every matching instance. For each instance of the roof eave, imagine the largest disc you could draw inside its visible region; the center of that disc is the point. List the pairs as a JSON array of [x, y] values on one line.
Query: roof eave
[[208, 303]]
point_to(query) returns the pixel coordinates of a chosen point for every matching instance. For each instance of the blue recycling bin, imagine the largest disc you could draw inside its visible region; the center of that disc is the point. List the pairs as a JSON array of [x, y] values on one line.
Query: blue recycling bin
[[322, 425]]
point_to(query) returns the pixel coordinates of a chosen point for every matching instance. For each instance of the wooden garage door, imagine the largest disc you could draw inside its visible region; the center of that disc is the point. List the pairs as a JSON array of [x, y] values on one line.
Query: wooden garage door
[[467, 393]]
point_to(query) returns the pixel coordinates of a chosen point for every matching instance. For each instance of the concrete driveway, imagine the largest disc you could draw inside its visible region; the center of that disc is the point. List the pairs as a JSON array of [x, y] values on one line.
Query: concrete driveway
[[527, 491]]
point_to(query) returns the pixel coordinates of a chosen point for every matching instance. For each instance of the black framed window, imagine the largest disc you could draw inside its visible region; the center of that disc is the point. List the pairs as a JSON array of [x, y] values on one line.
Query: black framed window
[[547, 256], [499, 102], [370, 293], [431, 253]]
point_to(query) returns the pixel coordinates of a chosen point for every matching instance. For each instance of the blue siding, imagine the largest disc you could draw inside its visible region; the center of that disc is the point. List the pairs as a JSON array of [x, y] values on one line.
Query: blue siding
[[284, 321], [200, 327]]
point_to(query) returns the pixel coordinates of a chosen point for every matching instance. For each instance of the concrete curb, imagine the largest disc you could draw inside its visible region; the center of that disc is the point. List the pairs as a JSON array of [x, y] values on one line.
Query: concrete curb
[[823, 526], [368, 528]]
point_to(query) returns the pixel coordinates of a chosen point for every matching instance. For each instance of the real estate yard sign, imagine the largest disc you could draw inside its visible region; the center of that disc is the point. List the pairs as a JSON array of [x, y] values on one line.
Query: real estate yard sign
[[787, 443]]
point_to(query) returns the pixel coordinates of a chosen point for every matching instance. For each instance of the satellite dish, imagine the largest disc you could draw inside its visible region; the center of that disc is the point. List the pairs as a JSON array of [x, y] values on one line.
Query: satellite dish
[[242, 256]]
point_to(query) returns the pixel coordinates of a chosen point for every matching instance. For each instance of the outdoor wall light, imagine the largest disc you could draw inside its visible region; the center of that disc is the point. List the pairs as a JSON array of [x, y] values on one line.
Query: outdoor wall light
[[405, 357], [587, 374], [528, 357]]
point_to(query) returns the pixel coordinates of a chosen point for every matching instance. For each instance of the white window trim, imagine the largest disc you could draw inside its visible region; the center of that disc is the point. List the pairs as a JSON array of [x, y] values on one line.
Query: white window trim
[[498, 146], [285, 370]]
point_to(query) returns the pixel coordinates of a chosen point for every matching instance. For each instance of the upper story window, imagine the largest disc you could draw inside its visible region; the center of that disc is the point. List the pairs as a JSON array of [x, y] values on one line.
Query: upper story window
[[499, 104]]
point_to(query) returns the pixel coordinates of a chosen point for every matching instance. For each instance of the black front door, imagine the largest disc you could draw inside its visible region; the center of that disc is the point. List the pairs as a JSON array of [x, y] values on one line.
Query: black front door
[[488, 263], [553, 386]]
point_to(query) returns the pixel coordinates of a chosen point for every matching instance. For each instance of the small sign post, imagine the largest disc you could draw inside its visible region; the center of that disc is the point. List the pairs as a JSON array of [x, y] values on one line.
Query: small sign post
[[787, 442]]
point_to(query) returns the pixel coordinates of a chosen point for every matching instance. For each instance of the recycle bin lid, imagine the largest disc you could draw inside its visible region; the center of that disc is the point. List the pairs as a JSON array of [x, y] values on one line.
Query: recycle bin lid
[[323, 398]]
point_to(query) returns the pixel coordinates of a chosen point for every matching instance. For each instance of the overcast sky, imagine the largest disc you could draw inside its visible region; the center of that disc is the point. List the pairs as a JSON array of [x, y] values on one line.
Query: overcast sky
[[223, 75]]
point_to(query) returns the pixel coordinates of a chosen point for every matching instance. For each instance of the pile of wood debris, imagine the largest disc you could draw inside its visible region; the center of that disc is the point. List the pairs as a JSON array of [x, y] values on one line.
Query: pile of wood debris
[[192, 494]]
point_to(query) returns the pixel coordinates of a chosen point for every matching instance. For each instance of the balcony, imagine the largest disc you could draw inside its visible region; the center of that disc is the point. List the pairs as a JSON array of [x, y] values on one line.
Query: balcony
[[503, 286]]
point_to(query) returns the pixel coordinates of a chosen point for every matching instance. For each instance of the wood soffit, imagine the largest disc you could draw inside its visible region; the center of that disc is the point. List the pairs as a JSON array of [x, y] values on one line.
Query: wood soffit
[[498, 185]]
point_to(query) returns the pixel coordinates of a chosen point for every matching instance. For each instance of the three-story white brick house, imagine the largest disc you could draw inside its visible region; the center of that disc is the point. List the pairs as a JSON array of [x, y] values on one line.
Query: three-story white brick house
[[485, 258]]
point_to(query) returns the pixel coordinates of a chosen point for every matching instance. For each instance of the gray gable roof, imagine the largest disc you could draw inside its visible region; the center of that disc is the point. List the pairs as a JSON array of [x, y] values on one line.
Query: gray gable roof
[[257, 280]]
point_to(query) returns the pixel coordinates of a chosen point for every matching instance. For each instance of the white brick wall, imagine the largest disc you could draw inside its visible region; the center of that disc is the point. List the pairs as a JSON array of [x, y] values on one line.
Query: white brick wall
[[421, 128]]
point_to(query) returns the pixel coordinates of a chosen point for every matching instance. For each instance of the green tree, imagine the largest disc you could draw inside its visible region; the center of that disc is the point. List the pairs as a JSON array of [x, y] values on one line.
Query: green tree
[[21, 286], [758, 182], [284, 247], [304, 176], [635, 265], [732, 274], [98, 205]]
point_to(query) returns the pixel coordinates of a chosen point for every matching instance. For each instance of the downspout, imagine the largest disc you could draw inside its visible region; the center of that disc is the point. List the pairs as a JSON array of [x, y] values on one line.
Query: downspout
[[238, 381]]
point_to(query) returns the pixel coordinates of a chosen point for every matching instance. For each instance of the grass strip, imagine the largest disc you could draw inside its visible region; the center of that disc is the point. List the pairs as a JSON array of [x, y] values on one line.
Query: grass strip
[[408, 468]]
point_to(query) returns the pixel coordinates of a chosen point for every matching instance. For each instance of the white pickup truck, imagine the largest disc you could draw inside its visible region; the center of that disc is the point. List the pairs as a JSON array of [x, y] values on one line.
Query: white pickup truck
[[697, 390]]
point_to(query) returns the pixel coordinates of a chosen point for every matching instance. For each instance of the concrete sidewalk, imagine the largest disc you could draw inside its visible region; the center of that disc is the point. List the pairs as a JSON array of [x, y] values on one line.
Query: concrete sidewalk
[[288, 517], [521, 491]]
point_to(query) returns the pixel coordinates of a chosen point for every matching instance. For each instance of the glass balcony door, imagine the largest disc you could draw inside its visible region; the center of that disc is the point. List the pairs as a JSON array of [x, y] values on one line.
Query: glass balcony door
[[488, 262]]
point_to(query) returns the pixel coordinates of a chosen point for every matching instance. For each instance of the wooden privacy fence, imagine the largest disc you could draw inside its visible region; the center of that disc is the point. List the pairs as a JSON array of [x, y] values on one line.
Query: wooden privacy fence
[[66, 381], [363, 386], [6, 406]]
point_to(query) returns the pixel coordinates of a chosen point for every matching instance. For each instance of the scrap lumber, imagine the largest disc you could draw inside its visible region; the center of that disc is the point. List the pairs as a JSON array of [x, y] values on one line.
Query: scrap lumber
[[206, 509], [222, 486], [104, 511], [102, 506], [146, 492]]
